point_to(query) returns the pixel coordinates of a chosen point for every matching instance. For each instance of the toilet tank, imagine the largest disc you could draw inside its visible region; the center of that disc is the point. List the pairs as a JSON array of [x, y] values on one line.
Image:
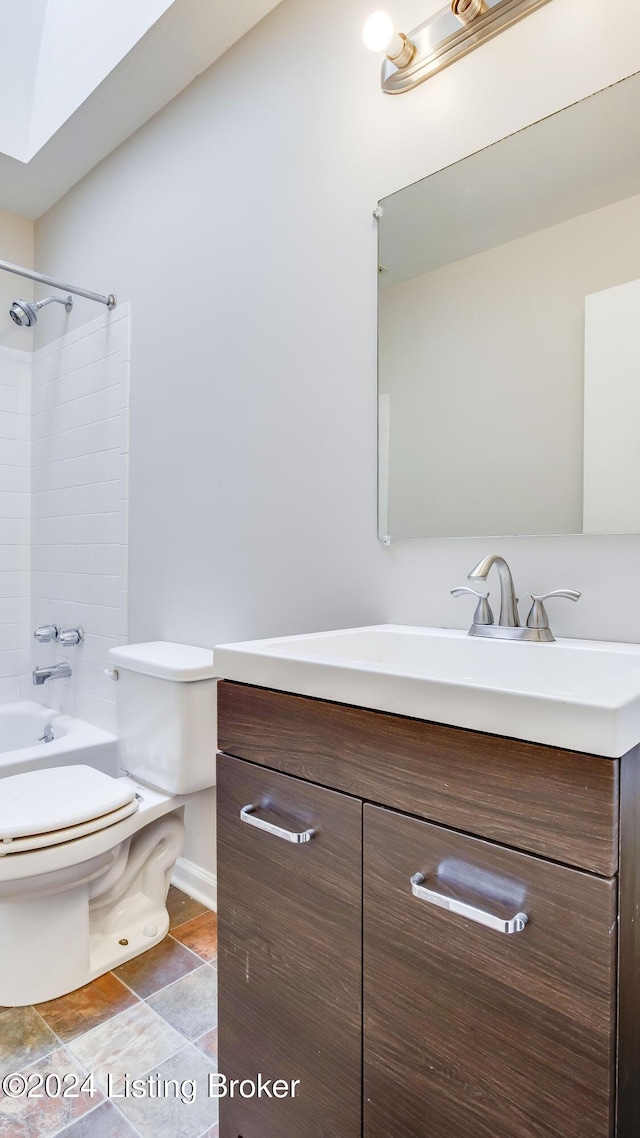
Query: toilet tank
[[166, 711]]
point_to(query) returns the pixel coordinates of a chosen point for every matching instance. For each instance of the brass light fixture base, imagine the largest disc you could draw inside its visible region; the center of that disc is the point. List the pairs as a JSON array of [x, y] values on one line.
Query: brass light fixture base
[[450, 34]]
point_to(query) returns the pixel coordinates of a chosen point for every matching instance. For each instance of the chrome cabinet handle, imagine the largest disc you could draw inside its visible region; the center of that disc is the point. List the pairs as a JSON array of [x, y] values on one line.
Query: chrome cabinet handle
[[248, 815], [515, 925]]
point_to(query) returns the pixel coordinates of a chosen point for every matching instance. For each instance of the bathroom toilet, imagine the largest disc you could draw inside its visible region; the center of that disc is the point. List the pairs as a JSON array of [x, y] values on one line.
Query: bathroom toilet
[[86, 859]]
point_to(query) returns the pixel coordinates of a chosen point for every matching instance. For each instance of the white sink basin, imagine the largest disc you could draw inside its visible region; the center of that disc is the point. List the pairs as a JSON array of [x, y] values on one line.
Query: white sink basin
[[579, 694]]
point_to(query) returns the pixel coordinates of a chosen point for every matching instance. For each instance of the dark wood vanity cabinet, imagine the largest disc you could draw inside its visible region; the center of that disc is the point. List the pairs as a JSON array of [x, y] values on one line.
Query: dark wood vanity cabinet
[[290, 965], [363, 961], [470, 1031]]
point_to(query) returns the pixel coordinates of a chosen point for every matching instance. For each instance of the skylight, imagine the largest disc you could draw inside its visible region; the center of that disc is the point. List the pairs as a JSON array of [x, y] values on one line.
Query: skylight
[[54, 54]]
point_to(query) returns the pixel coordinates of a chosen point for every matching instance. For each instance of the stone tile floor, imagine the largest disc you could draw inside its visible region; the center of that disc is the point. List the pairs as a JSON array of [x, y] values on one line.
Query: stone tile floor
[[153, 1019]]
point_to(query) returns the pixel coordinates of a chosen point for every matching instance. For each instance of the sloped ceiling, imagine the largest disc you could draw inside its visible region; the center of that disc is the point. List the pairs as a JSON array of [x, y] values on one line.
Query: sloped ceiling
[[77, 79]]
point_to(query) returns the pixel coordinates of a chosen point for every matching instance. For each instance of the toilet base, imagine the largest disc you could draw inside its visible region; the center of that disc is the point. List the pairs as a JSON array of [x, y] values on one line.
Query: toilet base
[[62, 937]]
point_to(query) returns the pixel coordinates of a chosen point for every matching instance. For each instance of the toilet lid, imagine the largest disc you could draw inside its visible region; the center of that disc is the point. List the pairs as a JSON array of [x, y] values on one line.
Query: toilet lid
[[60, 801]]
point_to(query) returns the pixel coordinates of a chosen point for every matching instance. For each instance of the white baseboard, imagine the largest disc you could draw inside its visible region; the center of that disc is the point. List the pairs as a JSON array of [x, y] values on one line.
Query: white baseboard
[[199, 883]]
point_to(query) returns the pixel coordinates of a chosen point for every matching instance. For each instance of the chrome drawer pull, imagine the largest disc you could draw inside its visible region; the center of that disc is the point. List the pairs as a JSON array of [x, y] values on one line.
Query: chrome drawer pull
[[247, 814], [515, 925]]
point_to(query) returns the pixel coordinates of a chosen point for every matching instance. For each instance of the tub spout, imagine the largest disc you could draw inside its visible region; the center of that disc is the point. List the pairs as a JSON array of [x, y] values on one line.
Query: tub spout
[[55, 672]]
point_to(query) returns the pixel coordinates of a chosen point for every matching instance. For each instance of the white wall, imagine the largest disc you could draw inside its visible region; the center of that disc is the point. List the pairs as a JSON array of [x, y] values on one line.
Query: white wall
[[79, 507], [239, 223]]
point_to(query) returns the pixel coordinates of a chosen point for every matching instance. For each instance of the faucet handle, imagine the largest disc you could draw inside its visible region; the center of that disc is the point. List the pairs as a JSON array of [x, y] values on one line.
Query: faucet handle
[[69, 636], [483, 613], [537, 617], [46, 633]]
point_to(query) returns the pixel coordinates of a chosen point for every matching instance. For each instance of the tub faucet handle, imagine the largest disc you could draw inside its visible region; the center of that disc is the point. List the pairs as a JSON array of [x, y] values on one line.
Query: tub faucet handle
[[46, 633], [71, 636]]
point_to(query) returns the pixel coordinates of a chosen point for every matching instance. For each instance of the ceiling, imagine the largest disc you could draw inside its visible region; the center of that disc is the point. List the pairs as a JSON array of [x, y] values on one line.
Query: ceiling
[[77, 79]]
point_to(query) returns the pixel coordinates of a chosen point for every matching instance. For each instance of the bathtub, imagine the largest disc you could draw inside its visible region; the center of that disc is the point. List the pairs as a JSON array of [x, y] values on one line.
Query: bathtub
[[22, 724]]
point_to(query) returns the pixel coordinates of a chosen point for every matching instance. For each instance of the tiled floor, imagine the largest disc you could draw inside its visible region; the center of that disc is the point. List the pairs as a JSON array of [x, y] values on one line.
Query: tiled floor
[[153, 1019]]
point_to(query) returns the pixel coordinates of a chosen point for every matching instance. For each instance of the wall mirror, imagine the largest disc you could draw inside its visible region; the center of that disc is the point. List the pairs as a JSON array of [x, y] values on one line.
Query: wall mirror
[[509, 334]]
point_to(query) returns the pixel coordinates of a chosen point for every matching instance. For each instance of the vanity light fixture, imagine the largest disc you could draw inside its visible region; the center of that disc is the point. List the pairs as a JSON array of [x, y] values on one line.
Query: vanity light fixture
[[454, 31]]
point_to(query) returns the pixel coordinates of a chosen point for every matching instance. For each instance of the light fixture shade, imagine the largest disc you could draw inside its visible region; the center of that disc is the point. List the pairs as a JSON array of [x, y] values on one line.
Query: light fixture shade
[[378, 31]]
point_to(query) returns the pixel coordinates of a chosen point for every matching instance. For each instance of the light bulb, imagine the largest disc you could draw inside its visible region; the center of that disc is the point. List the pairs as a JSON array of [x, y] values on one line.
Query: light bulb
[[378, 35], [378, 31]]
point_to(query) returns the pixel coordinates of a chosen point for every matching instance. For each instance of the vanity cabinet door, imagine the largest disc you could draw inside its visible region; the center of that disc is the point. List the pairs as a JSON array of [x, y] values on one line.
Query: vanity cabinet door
[[290, 953], [470, 1032]]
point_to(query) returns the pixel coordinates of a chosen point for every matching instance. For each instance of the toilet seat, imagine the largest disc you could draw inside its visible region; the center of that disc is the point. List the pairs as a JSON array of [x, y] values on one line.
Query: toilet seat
[[48, 807]]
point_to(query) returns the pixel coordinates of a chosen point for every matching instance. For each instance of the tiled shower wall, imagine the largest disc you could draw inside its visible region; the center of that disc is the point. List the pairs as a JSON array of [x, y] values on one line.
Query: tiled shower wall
[[79, 509], [14, 519]]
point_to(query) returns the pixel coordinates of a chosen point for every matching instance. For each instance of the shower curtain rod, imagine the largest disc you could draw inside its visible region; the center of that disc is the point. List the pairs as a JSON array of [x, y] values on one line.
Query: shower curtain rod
[[109, 300]]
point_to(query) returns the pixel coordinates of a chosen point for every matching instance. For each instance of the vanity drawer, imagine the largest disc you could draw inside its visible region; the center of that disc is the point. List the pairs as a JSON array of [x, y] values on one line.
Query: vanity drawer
[[560, 804], [469, 1030]]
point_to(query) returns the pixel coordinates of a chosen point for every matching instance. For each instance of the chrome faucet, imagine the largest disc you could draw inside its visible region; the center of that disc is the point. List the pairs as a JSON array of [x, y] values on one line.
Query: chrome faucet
[[508, 626], [55, 672], [508, 601]]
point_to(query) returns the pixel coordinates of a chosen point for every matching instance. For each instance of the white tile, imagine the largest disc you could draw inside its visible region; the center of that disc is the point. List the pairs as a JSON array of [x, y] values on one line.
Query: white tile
[[104, 590], [92, 408], [10, 558], [9, 531], [14, 452], [98, 620], [96, 498], [11, 637], [96, 649], [122, 531], [14, 610], [108, 560], [104, 467], [10, 505], [8, 478], [10, 689], [60, 586], [13, 585], [85, 380], [45, 397], [123, 431], [63, 509], [88, 440], [100, 712], [9, 371], [123, 474], [47, 368], [9, 396], [10, 424], [60, 558], [118, 339], [91, 679], [9, 664]]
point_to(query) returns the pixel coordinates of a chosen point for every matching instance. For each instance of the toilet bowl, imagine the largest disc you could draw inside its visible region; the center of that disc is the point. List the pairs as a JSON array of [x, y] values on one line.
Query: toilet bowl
[[86, 859]]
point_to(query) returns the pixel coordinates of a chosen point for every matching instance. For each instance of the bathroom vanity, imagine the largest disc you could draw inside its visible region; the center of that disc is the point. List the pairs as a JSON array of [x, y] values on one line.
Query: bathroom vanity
[[433, 928]]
